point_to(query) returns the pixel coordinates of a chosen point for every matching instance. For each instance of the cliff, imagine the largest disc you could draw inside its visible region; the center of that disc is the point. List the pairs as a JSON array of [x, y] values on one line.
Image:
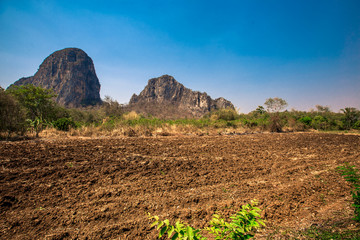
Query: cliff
[[166, 96], [71, 74]]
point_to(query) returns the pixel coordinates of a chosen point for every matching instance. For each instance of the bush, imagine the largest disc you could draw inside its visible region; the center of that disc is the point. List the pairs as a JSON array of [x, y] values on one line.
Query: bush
[[12, 114], [357, 125], [351, 116], [38, 103], [64, 124], [111, 107], [305, 120], [275, 123], [320, 123], [227, 114], [131, 116]]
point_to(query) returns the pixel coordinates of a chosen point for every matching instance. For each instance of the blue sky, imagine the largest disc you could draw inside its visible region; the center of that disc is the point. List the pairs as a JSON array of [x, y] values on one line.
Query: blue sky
[[306, 52]]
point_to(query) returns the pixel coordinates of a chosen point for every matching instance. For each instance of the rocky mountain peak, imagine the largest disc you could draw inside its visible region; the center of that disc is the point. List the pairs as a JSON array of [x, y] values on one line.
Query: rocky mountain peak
[[166, 93], [71, 74]]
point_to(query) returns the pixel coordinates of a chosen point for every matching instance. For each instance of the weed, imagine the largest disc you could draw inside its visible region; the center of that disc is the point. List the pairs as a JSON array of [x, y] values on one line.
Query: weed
[[322, 198], [69, 164]]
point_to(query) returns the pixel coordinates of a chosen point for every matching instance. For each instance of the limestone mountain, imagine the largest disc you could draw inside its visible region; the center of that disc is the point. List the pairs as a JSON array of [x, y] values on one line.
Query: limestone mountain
[[71, 74], [164, 96]]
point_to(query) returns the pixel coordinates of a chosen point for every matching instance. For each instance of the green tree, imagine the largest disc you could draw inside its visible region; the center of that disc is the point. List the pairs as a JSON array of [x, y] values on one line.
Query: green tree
[[351, 116], [12, 115], [260, 110], [38, 102], [322, 109], [275, 104]]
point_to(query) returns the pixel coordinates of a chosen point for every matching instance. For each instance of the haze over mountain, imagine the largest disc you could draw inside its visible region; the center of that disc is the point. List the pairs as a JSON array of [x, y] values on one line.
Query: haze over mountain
[[71, 74]]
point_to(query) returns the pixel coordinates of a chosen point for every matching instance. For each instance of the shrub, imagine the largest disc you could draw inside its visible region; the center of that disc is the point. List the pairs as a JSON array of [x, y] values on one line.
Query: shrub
[[320, 123], [12, 114], [296, 125], [351, 116], [305, 120], [111, 107], [227, 114], [131, 116], [241, 226], [64, 124], [275, 124], [250, 123], [357, 125], [38, 102]]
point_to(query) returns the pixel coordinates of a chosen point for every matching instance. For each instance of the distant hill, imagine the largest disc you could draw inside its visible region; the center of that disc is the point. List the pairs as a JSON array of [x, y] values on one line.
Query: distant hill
[[71, 74], [166, 97]]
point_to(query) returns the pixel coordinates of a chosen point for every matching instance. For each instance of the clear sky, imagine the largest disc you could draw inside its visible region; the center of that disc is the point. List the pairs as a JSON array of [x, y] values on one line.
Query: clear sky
[[306, 52]]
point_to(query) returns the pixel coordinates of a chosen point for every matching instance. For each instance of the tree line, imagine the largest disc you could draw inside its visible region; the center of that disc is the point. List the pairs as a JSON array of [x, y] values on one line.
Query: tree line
[[25, 109]]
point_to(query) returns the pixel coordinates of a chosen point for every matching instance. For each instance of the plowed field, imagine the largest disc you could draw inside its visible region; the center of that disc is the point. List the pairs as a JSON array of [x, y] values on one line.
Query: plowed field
[[102, 188]]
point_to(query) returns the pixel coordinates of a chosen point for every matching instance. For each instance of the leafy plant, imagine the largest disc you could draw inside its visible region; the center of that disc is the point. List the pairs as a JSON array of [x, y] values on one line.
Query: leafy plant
[[12, 114], [36, 124], [177, 231], [260, 110], [351, 116], [64, 124], [351, 175], [242, 226], [305, 120], [38, 102], [320, 122]]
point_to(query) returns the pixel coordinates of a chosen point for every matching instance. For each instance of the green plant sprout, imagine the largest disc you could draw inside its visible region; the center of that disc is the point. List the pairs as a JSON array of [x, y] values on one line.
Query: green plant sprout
[[242, 226]]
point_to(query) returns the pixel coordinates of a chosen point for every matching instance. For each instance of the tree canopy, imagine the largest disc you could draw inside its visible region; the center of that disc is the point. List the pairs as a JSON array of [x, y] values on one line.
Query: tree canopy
[[275, 104]]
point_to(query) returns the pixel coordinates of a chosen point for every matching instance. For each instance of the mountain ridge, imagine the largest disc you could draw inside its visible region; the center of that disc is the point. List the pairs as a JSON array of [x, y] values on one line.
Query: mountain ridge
[[167, 91]]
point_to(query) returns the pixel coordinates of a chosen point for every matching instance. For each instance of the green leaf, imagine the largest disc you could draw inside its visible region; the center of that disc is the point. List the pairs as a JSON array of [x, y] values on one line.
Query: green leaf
[[171, 231], [160, 225], [154, 224], [162, 231], [176, 235], [190, 232]]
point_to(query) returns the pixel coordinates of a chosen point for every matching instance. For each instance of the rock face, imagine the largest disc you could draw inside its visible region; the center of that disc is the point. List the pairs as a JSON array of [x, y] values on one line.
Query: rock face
[[165, 96], [71, 74]]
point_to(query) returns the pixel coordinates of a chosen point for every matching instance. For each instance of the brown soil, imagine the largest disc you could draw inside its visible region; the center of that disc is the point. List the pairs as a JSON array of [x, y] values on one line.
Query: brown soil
[[102, 188]]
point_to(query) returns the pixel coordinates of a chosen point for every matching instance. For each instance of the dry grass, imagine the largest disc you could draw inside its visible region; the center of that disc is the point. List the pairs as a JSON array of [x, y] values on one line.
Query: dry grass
[[142, 131], [131, 116]]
